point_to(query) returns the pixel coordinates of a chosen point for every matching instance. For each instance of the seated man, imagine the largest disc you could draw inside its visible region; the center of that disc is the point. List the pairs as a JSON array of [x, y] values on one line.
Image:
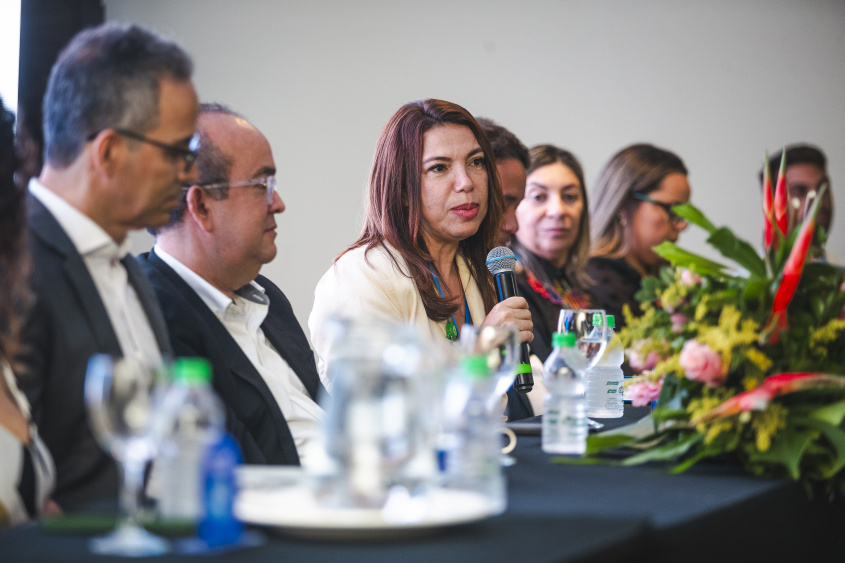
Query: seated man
[[204, 268], [120, 115]]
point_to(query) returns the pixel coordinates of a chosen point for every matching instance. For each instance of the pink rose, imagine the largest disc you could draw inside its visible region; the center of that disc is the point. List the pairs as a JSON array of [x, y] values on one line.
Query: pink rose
[[678, 322], [702, 364], [690, 278], [642, 393], [640, 364]]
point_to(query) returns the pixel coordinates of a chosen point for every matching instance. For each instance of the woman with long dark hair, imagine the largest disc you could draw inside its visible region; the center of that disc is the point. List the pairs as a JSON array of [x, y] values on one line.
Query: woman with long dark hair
[[433, 213], [631, 213], [26, 468]]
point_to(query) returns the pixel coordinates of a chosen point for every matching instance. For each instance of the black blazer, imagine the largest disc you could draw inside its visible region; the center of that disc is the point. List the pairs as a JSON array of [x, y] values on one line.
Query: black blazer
[[68, 324], [253, 416]]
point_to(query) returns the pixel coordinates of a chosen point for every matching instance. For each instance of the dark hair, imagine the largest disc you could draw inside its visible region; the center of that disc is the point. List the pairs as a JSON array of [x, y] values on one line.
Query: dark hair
[[106, 77], [394, 207], [212, 166], [635, 169], [544, 155], [504, 143], [796, 154], [14, 265]]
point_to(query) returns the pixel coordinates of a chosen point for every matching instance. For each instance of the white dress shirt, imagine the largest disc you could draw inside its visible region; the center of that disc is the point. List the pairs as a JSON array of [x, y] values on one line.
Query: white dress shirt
[[242, 318], [102, 256]]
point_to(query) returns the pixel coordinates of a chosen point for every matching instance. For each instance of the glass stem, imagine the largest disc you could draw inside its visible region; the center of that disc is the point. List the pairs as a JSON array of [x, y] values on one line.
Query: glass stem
[[133, 478]]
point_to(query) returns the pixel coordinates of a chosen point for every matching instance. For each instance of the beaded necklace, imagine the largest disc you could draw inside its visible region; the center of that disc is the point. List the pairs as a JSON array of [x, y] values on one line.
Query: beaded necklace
[[452, 332]]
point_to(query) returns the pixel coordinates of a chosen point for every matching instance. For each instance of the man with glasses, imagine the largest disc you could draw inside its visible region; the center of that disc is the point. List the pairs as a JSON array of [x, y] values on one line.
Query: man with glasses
[[204, 268], [120, 120]]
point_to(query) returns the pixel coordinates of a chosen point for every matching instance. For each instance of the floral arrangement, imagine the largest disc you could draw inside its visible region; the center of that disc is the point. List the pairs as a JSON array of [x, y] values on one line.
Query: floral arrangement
[[745, 361]]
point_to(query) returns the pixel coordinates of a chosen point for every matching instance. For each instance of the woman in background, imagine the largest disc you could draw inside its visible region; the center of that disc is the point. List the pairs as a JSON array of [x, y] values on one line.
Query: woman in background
[[553, 241], [26, 468], [631, 213], [434, 208]]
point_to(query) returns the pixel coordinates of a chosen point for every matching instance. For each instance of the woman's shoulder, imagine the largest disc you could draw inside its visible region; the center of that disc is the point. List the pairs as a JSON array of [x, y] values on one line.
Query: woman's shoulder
[[380, 260], [602, 266]]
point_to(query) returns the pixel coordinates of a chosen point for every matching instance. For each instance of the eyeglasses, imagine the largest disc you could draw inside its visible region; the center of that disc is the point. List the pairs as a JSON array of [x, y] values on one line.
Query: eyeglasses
[[268, 183], [674, 218], [175, 152]]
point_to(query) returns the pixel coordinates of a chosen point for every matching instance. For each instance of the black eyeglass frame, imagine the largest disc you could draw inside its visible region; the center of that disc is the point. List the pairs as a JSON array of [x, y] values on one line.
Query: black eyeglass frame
[[189, 155], [674, 218]]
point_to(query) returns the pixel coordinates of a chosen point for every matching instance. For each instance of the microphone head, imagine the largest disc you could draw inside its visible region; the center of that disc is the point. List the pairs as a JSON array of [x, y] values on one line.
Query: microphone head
[[501, 259]]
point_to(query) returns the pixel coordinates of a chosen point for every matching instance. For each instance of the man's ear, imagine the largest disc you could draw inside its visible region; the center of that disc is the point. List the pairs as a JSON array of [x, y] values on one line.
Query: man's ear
[[108, 149], [200, 208]]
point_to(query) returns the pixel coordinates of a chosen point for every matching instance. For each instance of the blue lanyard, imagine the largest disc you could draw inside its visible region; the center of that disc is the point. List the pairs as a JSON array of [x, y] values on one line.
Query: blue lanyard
[[467, 319]]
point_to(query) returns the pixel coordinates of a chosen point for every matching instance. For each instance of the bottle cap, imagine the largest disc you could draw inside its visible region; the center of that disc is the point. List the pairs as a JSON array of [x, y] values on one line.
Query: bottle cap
[[563, 340], [611, 321], [597, 319], [192, 371], [475, 367]]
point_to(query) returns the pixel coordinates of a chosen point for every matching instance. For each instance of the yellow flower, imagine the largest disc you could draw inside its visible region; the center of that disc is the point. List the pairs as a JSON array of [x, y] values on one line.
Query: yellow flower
[[820, 337], [760, 360], [767, 423]]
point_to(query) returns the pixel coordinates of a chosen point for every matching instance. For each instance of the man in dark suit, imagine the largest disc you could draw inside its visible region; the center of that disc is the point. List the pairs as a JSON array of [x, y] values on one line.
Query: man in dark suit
[[120, 116], [204, 269]]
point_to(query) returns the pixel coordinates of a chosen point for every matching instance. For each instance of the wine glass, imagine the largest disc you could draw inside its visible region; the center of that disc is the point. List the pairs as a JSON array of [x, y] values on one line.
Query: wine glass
[[500, 346], [119, 395], [590, 328]]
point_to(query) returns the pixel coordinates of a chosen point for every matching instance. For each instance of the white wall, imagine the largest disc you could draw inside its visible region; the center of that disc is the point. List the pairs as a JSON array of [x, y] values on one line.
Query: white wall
[[718, 82]]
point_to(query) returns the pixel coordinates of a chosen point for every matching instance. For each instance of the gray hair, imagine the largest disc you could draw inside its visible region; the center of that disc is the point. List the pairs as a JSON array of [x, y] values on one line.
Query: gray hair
[[107, 77], [635, 169], [213, 166]]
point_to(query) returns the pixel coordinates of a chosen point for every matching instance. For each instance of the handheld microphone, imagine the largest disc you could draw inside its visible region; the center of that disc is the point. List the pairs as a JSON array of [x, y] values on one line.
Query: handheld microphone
[[501, 262]]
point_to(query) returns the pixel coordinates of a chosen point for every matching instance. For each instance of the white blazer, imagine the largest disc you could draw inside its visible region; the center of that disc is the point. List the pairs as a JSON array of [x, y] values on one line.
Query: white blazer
[[375, 289]]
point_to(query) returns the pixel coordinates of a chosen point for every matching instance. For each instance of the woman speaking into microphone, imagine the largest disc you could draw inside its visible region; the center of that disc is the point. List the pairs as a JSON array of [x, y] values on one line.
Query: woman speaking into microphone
[[433, 211]]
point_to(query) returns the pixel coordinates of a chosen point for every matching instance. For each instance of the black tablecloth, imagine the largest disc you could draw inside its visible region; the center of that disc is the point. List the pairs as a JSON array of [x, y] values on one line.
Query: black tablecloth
[[572, 513]]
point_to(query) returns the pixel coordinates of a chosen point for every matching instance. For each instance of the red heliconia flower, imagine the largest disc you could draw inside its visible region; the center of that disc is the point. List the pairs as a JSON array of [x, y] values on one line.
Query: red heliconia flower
[[781, 210], [792, 270], [781, 384], [768, 211]]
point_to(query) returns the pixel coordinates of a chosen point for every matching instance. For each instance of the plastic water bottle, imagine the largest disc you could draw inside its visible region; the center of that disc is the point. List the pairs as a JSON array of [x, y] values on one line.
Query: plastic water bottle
[[565, 410], [469, 452], [192, 422], [604, 380]]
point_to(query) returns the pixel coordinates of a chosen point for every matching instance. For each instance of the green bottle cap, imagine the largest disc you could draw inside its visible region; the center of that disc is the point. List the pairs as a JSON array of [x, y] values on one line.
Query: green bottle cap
[[597, 319], [475, 367], [193, 371], [563, 340], [611, 321]]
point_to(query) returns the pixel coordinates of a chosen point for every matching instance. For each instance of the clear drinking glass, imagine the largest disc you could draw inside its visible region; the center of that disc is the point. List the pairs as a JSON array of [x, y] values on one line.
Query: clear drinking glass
[[120, 396], [590, 328], [500, 345]]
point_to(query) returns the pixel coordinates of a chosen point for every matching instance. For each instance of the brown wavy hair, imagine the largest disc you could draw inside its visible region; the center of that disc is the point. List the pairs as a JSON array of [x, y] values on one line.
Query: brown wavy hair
[[637, 169], [14, 265], [394, 204]]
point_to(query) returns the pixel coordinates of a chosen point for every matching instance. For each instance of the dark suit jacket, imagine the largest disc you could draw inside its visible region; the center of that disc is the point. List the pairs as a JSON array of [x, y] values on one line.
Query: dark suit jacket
[[253, 416], [69, 323]]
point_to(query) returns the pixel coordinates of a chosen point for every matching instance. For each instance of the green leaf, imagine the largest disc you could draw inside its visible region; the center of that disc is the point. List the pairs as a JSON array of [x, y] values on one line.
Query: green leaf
[[692, 214], [572, 460], [755, 289], [648, 289], [831, 414], [599, 443], [729, 246], [836, 436], [680, 257], [669, 451], [787, 449]]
